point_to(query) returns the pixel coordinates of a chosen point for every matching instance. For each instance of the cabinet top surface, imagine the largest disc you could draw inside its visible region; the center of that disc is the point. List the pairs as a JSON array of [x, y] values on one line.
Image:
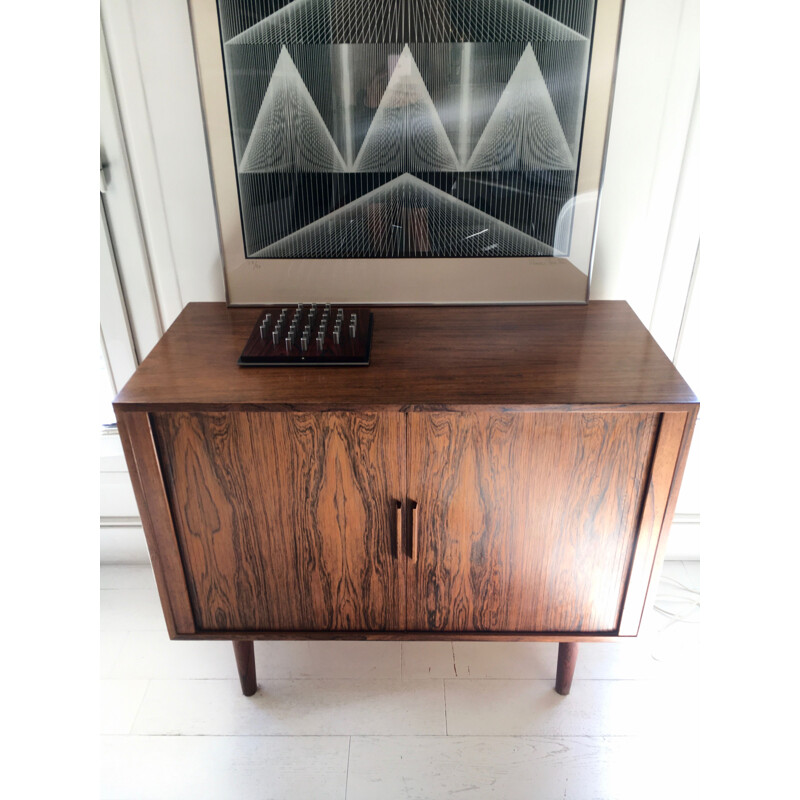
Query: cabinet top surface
[[422, 356]]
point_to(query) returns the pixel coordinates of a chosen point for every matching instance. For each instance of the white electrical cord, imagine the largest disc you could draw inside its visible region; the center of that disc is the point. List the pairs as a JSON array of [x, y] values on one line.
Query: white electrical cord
[[685, 597], [693, 601]]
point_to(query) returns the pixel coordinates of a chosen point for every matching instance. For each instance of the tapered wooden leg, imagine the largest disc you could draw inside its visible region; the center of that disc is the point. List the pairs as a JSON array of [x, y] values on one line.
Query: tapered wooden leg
[[246, 664], [567, 656]]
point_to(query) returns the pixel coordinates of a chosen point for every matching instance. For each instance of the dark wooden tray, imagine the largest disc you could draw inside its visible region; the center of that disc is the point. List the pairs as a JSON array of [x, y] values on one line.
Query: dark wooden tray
[[272, 344]]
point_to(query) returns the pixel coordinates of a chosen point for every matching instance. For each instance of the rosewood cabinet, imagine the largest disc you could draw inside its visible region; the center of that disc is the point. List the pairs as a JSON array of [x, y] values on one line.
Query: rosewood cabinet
[[496, 472]]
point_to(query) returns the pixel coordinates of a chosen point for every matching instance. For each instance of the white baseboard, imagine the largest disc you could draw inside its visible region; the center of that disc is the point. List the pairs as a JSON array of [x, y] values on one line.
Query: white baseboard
[[122, 541], [116, 492], [120, 522], [116, 495], [684, 538]]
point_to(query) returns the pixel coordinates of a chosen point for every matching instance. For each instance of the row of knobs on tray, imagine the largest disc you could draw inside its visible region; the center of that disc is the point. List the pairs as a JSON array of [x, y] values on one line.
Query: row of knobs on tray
[[291, 332]]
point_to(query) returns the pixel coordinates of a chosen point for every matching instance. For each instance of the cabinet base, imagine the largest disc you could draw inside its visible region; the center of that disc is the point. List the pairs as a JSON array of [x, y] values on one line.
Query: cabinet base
[[246, 665]]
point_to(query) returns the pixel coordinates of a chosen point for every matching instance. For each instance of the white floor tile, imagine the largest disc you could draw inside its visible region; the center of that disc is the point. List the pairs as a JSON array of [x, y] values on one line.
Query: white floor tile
[[666, 647], [593, 708], [514, 768], [112, 644], [633, 702], [511, 660], [334, 659], [676, 649], [303, 708], [120, 701], [663, 648], [151, 654], [428, 660], [217, 768], [131, 610], [644, 657], [127, 576]]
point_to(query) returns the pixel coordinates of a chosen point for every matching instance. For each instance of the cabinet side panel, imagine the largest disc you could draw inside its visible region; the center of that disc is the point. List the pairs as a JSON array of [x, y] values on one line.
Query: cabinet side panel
[[526, 521], [661, 494], [286, 520], [148, 486]]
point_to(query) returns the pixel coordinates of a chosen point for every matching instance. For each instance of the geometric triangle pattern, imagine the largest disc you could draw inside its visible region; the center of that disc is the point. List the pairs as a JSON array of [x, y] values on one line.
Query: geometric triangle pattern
[[523, 132], [408, 96], [406, 216], [289, 133], [406, 134], [507, 21], [351, 21]]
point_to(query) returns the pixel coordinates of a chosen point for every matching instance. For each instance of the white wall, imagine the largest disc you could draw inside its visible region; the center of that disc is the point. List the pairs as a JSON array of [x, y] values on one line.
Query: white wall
[[152, 60], [657, 77], [642, 233]]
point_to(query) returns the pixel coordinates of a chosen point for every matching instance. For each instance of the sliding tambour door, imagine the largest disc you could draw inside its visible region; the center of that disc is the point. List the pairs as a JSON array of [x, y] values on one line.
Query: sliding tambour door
[[287, 521], [524, 521]]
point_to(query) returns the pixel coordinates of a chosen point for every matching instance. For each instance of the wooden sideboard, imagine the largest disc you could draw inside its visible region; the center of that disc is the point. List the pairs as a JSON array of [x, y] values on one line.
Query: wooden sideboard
[[494, 473]]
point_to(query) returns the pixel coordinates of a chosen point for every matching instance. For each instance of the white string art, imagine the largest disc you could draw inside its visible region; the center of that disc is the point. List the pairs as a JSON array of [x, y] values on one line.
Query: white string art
[[406, 215], [348, 114], [289, 134], [406, 133], [523, 131], [332, 21]]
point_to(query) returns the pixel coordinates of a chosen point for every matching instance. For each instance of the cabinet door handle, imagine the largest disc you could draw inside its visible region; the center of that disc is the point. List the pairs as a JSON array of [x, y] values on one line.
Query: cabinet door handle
[[414, 529], [398, 530]]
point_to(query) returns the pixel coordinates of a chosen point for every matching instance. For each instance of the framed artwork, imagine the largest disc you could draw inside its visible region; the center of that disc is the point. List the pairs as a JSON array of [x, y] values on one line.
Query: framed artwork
[[392, 151]]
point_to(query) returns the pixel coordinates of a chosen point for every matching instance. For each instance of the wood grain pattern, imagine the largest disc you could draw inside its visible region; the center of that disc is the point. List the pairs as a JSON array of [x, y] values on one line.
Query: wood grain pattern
[[423, 358], [398, 636], [145, 471], [526, 521], [286, 521]]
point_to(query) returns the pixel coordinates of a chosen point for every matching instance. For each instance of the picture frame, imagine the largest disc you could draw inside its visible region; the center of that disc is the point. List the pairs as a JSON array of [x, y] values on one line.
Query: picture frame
[[440, 152]]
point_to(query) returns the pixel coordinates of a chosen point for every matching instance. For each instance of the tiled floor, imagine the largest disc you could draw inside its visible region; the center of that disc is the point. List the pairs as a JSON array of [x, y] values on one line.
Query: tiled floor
[[385, 720]]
